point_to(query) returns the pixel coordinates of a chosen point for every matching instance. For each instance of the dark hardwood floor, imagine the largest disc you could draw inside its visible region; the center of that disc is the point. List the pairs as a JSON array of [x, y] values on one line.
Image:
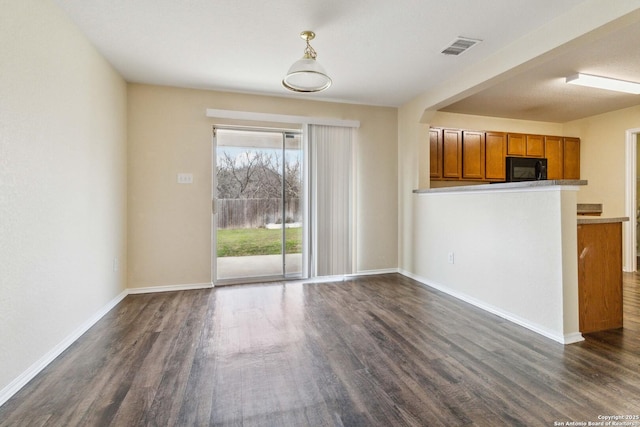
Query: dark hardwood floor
[[371, 351]]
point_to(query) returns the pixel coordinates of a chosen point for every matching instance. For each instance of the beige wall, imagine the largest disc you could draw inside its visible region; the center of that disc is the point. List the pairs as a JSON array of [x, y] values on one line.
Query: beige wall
[[602, 157], [62, 184], [412, 153], [170, 224]]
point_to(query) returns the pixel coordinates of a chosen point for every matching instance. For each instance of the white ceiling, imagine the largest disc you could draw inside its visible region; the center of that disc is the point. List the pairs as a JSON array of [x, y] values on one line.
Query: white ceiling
[[541, 93], [378, 52]]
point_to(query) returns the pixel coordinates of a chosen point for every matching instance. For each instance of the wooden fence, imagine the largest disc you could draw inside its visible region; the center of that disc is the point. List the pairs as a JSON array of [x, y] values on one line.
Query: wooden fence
[[253, 213]]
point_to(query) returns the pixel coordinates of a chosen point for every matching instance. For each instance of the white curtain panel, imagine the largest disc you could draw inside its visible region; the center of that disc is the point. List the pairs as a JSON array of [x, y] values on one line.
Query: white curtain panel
[[332, 199]]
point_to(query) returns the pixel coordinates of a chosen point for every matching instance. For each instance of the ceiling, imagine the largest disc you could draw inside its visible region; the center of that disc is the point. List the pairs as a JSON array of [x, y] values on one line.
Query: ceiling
[[541, 93], [377, 52]]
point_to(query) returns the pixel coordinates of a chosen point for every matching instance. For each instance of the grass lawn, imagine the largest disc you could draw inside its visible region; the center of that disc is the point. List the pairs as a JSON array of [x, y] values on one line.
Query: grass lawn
[[257, 241]]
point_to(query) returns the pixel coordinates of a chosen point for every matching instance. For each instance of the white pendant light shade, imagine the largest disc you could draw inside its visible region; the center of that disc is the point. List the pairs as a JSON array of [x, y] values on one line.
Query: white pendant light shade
[[306, 74]]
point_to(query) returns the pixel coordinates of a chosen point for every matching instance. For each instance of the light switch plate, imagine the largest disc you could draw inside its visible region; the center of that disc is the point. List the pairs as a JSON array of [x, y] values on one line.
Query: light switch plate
[[185, 178]]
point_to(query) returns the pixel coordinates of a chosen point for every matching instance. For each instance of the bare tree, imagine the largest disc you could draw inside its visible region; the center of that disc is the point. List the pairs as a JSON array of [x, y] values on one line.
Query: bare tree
[[234, 176], [292, 179], [257, 175]]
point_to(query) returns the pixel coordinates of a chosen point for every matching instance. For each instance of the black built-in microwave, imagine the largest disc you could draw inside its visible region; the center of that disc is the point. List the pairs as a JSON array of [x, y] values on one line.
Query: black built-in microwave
[[526, 169]]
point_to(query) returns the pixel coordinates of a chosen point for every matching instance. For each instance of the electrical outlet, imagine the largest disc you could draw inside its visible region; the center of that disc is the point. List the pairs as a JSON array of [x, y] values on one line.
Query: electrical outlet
[[116, 265], [185, 178], [450, 257]]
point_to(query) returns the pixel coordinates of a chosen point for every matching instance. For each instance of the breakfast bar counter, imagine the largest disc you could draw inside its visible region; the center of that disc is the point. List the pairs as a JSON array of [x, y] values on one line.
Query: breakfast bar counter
[[509, 248], [599, 220], [504, 186]]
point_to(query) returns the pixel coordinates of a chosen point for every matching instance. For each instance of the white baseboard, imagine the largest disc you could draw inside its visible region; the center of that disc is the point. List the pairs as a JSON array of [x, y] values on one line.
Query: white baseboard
[[572, 338], [14, 386], [324, 279], [562, 339], [342, 277], [373, 272], [169, 288]]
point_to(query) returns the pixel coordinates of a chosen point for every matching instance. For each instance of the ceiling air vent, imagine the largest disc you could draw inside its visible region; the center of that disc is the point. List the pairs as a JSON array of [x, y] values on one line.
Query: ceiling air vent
[[460, 45]]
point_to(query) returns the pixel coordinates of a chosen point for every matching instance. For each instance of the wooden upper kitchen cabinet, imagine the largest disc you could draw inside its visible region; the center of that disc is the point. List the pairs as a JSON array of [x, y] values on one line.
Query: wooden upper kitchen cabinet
[[481, 156], [516, 144], [535, 145], [495, 152], [521, 145], [554, 149], [599, 276], [571, 161], [472, 155], [563, 157], [451, 153], [435, 152]]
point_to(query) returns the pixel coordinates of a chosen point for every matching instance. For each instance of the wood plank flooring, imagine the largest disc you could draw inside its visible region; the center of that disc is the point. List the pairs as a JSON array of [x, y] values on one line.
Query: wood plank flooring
[[371, 351]]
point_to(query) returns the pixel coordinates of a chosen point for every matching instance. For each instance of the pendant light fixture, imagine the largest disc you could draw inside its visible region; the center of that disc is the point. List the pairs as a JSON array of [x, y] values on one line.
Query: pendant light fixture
[[306, 74]]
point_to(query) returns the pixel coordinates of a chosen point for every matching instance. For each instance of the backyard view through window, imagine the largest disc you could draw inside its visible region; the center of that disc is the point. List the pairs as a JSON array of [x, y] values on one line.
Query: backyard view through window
[[258, 183]]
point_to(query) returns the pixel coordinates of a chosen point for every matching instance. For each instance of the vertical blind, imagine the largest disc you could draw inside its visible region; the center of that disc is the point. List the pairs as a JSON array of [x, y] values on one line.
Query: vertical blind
[[332, 195]]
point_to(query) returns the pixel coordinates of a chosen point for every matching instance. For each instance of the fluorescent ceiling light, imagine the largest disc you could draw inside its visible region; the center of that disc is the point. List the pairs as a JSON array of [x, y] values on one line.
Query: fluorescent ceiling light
[[604, 83]]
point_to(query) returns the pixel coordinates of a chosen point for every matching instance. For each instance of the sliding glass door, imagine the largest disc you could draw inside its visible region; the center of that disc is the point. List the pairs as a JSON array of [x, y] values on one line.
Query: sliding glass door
[[258, 198]]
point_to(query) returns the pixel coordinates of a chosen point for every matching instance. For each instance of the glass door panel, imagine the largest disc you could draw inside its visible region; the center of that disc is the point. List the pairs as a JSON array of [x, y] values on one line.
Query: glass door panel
[[258, 186]]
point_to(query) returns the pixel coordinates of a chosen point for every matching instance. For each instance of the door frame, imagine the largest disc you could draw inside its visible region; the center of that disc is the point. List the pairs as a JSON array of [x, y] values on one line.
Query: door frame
[[304, 274], [220, 116], [214, 208], [630, 253]]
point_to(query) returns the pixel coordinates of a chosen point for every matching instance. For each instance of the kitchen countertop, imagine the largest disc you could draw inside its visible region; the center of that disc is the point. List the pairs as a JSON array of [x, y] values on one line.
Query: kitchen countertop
[[599, 220], [503, 186], [532, 184], [589, 208]]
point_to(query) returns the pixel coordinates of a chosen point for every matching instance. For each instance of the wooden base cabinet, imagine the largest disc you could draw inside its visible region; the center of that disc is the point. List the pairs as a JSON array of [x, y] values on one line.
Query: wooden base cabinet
[[600, 276]]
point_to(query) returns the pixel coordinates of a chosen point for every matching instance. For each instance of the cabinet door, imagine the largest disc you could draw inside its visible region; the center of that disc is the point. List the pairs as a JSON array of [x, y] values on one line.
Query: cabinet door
[[571, 158], [494, 153], [599, 276], [554, 150], [451, 153], [516, 144], [472, 155], [535, 146], [435, 152]]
